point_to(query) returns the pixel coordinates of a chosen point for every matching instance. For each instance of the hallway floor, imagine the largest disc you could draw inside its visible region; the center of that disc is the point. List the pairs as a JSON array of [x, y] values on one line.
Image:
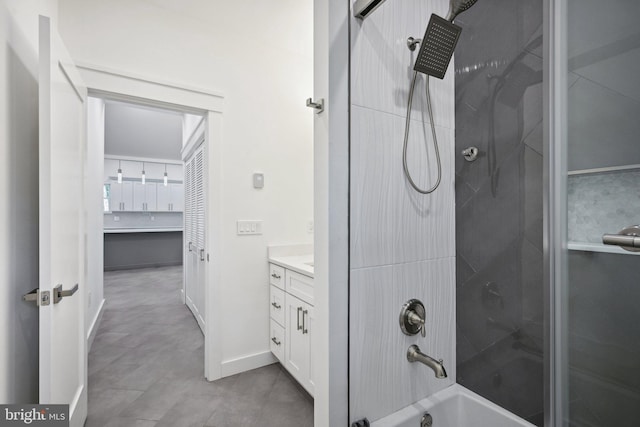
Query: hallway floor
[[146, 366]]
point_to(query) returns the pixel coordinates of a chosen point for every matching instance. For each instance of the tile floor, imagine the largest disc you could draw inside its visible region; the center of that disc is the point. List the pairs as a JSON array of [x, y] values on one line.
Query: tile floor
[[146, 366]]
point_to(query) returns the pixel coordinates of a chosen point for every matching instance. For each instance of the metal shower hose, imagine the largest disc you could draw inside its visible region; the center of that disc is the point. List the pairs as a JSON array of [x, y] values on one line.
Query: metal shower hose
[[406, 137]]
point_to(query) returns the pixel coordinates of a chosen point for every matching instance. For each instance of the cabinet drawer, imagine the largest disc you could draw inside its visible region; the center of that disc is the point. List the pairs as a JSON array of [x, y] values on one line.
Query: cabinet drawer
[[276, 340], [276, 305], [276, 276], [300, 286]]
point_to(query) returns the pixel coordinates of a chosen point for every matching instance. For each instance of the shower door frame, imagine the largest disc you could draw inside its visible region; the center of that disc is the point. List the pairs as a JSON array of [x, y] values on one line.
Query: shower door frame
[[555, 208]]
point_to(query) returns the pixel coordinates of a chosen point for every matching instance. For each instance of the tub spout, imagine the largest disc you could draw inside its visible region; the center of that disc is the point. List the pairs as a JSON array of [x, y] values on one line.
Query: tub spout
[[415, 355]]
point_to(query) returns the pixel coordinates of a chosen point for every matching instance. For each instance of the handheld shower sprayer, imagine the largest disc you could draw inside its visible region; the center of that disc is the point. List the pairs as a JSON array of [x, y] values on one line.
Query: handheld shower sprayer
[[436, 51]]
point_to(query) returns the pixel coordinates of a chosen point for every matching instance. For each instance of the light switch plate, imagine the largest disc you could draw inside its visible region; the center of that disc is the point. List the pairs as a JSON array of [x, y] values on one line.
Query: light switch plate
[[248, 228]]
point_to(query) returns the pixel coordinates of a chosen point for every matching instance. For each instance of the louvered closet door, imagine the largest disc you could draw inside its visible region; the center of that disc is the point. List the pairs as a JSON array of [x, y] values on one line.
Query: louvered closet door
[[194, 214], [199, 168]]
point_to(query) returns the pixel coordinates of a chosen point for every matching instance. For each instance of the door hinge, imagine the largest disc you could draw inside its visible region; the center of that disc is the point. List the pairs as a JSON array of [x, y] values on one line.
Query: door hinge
[[40, 298]]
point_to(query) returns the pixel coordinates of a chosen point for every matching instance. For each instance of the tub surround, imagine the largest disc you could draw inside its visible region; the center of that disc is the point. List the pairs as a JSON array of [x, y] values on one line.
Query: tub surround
[[499, 205], [402, 244]]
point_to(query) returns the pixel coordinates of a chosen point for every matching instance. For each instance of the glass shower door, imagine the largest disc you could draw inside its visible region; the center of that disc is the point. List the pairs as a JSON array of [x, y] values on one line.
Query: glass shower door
[[602, 290]]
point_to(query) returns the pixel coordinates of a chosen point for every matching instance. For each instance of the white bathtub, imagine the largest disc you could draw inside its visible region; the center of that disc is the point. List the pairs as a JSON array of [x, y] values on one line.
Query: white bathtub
[[454, 406]]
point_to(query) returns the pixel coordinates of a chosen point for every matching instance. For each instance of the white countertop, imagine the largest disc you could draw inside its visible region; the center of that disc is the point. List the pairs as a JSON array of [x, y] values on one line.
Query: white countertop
[[141, 230], [297, 263]]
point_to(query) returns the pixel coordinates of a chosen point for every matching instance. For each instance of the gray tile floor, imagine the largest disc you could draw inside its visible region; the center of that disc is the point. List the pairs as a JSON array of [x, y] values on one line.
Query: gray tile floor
[[146, 366]]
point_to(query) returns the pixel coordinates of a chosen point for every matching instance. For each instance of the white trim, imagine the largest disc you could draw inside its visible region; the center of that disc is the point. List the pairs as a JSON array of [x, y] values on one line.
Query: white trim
[[121, 86], [93, 327], [144, 159], [197, 130], [214, 248], [246, 363], [195, 140], [110, 84], [144, 78]]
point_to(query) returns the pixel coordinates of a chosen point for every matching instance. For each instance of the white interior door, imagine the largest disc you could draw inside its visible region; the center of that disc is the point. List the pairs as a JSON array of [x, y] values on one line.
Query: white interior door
[[63, 358]]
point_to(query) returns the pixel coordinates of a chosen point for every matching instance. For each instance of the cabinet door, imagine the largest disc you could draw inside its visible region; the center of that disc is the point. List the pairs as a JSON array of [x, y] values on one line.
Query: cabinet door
[[115, 196], [139, 196], [296, 342], [163, 198], [310, 323], [177, 197], [127, 195], [121, 196], [151, 196], [144, 196]]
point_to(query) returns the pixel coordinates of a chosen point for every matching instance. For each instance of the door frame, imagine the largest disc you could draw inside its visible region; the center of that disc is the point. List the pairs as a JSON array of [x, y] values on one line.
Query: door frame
[[110, 84]]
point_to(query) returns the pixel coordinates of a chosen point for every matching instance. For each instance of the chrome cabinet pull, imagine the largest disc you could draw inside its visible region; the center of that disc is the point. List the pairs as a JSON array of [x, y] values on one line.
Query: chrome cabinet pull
[[190, 249], [628, 238], [299, 310], [276, 305], [275, 341], [304, 326], [201, 254]]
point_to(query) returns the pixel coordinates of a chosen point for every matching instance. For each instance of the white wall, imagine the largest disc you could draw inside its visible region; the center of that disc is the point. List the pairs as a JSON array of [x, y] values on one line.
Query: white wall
[[19, 196], [402, 243], [259, 55]]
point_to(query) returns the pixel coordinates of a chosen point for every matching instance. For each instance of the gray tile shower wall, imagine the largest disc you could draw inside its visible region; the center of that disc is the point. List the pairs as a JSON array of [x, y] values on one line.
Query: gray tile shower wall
[[402, 243], [499, 294]]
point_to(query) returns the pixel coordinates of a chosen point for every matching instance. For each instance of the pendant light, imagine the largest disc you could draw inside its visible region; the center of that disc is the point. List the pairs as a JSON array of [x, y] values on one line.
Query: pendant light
[[166, 178], [144, 178], [119, 172]]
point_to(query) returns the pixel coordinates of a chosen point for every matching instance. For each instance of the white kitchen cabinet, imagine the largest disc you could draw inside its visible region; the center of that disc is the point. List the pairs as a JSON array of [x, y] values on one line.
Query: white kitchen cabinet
[[144, 197], [171, 197], [121, 196]]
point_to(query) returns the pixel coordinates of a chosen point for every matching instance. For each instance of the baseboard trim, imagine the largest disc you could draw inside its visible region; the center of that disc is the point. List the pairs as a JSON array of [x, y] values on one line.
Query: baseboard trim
[[247, 363], [93, 328]]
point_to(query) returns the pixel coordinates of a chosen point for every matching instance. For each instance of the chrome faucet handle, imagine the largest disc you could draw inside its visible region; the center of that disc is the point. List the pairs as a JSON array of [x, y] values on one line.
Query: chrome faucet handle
[[412, 318]]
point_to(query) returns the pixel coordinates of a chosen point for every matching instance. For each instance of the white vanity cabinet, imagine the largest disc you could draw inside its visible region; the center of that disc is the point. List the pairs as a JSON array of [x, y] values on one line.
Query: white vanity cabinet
[[297, 349], [292, 323]]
